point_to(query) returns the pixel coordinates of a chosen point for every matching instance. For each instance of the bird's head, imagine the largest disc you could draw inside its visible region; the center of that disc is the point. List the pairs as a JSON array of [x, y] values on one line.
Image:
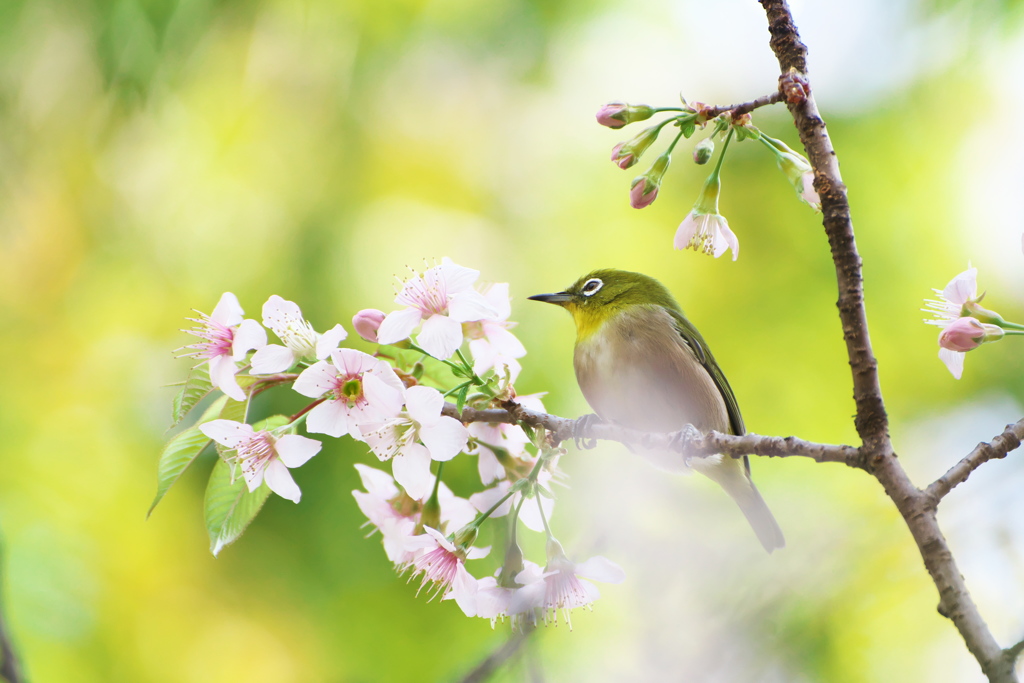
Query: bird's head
[[599, 296]]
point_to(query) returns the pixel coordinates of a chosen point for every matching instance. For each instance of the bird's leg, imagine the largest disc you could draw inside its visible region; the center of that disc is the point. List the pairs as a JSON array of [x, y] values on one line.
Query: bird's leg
[[582, 425]]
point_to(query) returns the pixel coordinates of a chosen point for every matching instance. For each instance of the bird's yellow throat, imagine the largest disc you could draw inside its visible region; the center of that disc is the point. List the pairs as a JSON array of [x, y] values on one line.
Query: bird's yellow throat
[[588, 321]]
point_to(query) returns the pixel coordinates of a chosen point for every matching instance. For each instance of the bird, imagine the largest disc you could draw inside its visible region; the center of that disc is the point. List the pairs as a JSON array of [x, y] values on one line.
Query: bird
[[641, 364]]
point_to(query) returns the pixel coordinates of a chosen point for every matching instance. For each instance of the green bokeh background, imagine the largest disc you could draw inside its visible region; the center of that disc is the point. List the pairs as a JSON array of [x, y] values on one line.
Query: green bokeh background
[[156, 153]]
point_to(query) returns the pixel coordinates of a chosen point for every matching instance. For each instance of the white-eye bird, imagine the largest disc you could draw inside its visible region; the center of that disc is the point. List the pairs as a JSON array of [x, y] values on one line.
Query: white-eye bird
[[641, 364]]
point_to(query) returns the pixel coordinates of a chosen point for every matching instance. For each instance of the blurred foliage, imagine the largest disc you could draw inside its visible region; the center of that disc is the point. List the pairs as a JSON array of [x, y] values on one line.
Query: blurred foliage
[[155, 153]]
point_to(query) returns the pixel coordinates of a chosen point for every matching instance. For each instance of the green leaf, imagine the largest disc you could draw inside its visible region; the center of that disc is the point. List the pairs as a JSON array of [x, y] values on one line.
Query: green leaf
[[181, 451], [229, 506], [688, 127], [460, 401], [196, 388]]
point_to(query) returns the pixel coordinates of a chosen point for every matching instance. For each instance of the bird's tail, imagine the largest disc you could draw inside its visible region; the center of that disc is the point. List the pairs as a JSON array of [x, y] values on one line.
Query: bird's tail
[[731, 474]]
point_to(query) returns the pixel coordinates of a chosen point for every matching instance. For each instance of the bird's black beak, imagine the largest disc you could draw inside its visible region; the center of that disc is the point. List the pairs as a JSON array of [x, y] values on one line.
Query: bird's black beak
[[560, 298]]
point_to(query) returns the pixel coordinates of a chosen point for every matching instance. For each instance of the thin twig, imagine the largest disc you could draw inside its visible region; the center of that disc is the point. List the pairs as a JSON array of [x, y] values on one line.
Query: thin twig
[[564, 429], [1014, 651], [746, 107], [999, 447], [492, 662], [10, 667]]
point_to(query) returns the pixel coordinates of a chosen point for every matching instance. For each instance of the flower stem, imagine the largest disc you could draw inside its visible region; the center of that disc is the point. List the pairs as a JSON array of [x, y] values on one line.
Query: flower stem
[[673, 145], [484, 515], [544, 519], [721, 157]]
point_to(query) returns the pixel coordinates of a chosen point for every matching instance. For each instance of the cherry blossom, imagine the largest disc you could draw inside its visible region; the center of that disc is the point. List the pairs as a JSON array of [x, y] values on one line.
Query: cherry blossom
[[261, 455], [518, 602], [444, 567], [491, 343], [708, 233], [359, 387], [227, 338], [566, 585], [301, 341], [398, 439], [442, 298]]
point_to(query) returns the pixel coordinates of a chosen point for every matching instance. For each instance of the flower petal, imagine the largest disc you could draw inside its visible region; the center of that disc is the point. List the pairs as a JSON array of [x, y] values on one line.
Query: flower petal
[[222, 376], [295, 450], [530, 513], [445, 439], [279, 313], [330, 418], [484, 500], [954, 360], [471, 305], [351, 362], [962, 288], [456, 278], [424, 404], [412, 470], [316, 380], [228, 311], [601, 568], [464, 590], [726, 239], [685, 232], [249, 335], [227, 432], [498, 298], [377, 482], [329, 341], [272, 358], [398, 325], [382, 399], [280, 481], [440, 336]]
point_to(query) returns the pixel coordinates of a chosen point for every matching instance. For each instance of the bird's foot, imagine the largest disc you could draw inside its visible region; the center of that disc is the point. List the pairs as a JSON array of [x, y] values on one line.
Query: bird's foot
[[580, 426], [685, 438]]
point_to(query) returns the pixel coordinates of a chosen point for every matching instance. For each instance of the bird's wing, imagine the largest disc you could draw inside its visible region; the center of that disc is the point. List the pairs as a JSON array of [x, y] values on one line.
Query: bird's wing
[[691, 337]]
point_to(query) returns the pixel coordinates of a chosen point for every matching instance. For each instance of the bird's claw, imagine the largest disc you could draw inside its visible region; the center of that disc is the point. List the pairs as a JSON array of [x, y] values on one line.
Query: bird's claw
[[684, 439], [582, 425]]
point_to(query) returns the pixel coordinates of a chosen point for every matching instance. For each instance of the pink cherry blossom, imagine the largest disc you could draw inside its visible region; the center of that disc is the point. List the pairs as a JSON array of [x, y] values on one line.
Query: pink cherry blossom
[[227, 338], [491, 343], [301, 341], [367, 322], [398, 439], [261, 455], [706, 232], [442, 298], [566, 587], [606, 114], [963, 334], [639, 196], [444, 568], [517, 603], [360, 389]]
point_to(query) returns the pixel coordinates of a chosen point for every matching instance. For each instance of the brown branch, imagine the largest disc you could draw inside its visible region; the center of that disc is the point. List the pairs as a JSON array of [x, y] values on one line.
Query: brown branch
[[1013, 652], [871, 421], [699, 446], [10, 667], [999, 447], [490, 664], [746, 107]]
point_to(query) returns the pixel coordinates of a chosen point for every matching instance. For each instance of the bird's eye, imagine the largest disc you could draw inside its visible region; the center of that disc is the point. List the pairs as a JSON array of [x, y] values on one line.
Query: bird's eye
[[591, 286]]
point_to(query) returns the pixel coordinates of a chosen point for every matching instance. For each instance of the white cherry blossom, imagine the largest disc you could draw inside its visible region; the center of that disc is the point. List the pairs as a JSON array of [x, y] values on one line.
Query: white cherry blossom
[[301, 341], [442, 299], [261, 455], [226, 339]]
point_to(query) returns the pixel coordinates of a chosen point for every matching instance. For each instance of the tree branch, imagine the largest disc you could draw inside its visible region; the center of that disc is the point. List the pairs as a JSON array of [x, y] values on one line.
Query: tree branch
[[700, 446], [10, 667], [1013, 652], [490, 664], [746, 107], [871, 421], [999, 447]]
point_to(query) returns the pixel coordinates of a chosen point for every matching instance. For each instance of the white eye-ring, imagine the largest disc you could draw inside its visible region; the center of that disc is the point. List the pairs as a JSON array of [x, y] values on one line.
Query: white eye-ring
[[591, 286]]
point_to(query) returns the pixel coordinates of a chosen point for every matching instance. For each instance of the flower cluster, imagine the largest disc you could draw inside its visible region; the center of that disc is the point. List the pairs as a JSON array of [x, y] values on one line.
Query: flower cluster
[[704, 229], [449, 345], [965, 324]]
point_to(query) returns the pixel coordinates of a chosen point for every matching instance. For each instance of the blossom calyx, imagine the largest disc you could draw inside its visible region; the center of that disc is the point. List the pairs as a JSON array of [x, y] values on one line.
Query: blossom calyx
[[618, 114]]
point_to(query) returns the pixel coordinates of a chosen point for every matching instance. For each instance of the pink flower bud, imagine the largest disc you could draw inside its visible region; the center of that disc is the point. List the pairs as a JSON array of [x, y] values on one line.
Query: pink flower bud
[[640, 199], [606, 114], [622, 160], [366, 323], [963, 334]]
